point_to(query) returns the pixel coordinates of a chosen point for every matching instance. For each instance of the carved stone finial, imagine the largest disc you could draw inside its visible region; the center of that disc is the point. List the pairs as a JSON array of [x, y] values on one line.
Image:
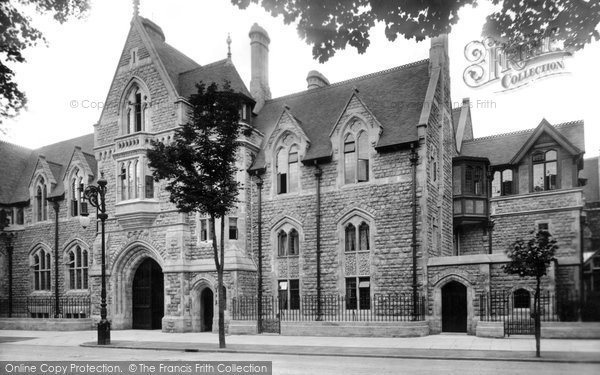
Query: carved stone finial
[[228, 45], [136, 8]]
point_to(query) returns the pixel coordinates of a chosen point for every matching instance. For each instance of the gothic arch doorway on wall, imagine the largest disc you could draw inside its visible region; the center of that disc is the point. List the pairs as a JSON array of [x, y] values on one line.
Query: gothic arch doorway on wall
[[454, 307], [207, 303], [148, 296]]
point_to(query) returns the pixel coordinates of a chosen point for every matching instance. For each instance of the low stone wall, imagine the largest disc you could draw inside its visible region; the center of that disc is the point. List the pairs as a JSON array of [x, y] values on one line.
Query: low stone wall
[[242, 327], [490, 329], [47, 324], [571, 330], [364, 329]]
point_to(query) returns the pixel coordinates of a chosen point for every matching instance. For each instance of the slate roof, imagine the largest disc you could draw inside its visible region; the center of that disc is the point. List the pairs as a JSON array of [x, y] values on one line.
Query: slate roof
[[217, 72], [501, 148], [18, 164], [591, 191], [394, 96], [184, 72]]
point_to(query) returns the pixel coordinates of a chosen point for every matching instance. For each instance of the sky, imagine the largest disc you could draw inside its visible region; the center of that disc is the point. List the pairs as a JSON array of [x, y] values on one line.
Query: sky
[[68, 79]]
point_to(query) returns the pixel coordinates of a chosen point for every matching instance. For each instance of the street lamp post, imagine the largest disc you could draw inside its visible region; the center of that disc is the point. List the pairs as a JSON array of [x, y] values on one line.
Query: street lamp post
[[96, 196]]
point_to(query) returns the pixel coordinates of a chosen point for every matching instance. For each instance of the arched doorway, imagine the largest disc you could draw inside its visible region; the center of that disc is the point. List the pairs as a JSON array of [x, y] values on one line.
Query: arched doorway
[[206, 310], [454, 307], [148, 296]]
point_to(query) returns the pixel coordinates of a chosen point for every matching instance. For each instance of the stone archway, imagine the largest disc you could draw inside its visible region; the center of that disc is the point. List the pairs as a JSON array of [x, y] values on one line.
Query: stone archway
[[454, 307], [121, 282], [453, 286], [203, 309], [148, 296]]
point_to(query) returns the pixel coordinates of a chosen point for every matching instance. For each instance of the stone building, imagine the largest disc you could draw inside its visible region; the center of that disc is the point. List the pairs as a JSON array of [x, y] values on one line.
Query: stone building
[[367, 187]]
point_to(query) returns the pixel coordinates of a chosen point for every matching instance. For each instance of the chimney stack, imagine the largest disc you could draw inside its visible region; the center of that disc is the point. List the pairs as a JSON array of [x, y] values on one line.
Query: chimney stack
[[259, 55], [438, 52], [316, 80]]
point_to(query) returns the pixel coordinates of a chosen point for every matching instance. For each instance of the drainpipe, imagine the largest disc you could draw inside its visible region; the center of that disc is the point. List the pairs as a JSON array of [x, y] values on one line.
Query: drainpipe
[[259, 185], [490, 223], [582, 223], [9, 250], [56, 207], [318, 175], [413, 162]]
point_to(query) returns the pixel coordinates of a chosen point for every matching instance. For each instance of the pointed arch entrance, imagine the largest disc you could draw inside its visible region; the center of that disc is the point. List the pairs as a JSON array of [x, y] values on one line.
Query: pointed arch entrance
[[148, 296], [454, 307], [206, 310]]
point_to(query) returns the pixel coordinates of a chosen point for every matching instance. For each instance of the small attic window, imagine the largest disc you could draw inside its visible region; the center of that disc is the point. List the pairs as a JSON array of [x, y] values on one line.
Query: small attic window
[[134, 56]]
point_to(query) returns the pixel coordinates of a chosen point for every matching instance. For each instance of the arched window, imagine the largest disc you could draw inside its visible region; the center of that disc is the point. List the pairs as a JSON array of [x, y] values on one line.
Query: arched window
[[41, 270], [349, 159], [136, 111], [363, 157], [545, 171], [294, 245], [521, 299], [39, 203], [350, 234], [78, 268], [363, 236], [282, 171], [293, 169], [281, 243]]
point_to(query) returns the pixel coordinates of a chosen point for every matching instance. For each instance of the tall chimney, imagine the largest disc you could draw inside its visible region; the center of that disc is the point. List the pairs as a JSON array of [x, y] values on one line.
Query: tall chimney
[[259, 55], [315, 80], [438, 52]]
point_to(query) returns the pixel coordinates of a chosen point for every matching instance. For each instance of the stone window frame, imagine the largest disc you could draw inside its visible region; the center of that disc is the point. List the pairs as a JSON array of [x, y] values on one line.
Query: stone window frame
[[41, 278], [286, 151], [126, 107], [285, 229], [205, 221], [83, 269], [356, 217], [356, 127], [39, 198], [74, 179], [546, 222], [289, 302]]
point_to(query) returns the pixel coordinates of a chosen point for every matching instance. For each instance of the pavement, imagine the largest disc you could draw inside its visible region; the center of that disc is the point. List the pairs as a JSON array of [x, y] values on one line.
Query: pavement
[[442, 346]]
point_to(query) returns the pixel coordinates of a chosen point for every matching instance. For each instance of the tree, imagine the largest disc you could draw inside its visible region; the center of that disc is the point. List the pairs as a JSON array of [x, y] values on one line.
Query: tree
[[16, 34], [330, 25], [199, 166], [531, 259]]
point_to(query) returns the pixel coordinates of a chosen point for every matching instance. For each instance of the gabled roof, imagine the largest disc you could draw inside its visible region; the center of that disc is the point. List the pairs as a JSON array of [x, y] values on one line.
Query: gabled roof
[[501, 149], [19, 163], [217, 72], [591, 171], [184, 72], [394, 96]]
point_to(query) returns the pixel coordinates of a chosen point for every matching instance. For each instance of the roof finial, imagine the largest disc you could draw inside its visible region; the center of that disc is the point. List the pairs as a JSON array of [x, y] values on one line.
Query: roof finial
[[136, 8], [229, 46]]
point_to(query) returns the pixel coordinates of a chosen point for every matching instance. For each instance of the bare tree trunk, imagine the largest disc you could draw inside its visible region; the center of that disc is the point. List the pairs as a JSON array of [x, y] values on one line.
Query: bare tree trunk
[[537, 318], [219, 267], [220, 292]]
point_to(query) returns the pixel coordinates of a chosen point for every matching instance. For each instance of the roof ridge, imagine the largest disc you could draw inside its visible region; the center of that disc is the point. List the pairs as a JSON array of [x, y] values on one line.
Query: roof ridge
[[15, 145], [205, 66], [354, 79], [523, 131]]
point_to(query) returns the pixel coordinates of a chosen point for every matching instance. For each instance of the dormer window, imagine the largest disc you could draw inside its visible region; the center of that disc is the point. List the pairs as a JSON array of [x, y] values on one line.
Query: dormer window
[[503, 183], [41, 204], [288, 170], [544, 171], [356, 158]]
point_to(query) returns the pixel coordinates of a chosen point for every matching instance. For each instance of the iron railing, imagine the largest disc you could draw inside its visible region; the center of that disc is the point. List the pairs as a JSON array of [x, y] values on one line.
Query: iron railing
[[379, 307], [69, 307]]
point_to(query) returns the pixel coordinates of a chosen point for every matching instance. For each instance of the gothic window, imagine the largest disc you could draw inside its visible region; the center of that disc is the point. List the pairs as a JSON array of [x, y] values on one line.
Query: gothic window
[[350, 235], [20, 216], [293, 169], [544, 171], [294, 242], [349, 159], [78, 268], [521, 299], [132, 175], [41, 269], [363, 236], [282, 167], [41, 204], [281, 243], [136, 111], [362, 165]]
